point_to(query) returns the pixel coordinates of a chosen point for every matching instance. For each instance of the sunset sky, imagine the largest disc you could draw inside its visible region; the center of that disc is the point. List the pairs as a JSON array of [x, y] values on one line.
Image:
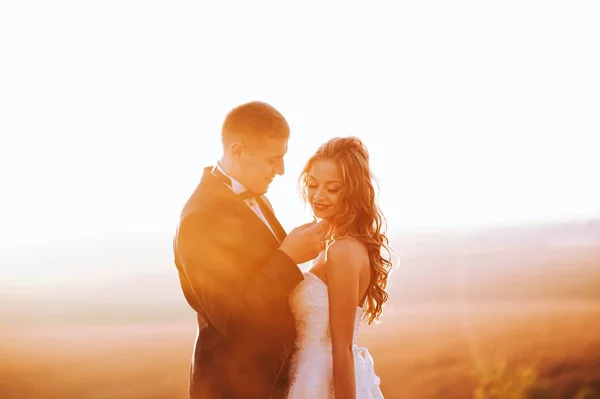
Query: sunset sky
[[475, 113]]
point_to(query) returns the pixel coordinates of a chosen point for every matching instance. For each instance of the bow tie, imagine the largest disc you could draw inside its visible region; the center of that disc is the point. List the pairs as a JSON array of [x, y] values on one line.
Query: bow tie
[[248, 194]]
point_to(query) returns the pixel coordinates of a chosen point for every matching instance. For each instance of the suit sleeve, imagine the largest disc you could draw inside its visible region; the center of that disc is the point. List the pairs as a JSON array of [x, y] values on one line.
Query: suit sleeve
[[220, 281]]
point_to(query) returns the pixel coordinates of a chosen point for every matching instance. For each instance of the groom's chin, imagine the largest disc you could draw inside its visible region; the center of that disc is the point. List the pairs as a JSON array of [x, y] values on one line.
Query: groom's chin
[[263, 189], [260, 190]]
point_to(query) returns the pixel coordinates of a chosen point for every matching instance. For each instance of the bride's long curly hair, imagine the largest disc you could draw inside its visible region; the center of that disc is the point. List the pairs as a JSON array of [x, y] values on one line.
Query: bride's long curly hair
[[358, 214]]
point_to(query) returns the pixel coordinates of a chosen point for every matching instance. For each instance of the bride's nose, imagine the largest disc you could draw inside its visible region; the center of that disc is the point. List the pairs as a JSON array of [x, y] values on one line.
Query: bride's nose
[[319, 194]]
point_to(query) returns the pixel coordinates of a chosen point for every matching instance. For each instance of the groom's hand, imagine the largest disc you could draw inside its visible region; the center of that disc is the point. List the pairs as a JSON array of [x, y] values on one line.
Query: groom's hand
[[305, 242]]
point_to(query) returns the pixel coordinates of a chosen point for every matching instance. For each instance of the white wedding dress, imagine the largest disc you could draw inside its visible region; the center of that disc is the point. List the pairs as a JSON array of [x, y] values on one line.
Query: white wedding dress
[[312, 364]]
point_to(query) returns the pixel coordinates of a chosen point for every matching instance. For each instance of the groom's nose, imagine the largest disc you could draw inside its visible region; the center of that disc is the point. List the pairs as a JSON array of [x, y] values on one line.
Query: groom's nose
[[280, 168]]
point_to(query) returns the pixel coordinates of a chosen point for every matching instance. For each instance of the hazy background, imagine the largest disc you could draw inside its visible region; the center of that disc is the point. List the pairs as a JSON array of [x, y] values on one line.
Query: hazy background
[[482, 120]]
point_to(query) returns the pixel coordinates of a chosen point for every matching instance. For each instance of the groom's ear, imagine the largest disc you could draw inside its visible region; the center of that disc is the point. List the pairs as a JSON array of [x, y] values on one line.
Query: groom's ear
[[236, 149]]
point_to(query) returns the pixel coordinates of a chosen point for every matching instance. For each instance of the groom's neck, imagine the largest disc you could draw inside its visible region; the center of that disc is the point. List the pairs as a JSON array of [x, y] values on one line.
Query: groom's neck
[[230, 168]]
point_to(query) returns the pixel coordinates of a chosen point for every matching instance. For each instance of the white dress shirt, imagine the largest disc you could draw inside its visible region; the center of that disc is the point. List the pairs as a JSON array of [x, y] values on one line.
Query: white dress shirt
[[239, 188]]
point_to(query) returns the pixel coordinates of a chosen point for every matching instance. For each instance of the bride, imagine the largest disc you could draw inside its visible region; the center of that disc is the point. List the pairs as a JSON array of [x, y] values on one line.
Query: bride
[[346, 282]]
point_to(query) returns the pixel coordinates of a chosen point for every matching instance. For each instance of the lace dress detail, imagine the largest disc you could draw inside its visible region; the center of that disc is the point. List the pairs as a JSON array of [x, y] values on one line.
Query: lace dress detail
[[312, 365]]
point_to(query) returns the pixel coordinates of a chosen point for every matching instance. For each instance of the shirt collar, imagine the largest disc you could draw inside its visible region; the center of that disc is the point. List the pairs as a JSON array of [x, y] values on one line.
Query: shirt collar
[[236, 186]]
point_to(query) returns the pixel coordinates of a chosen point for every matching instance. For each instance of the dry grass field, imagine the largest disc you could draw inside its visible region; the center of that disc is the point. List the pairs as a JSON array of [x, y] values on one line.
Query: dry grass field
[[420, 352], [510, 321]]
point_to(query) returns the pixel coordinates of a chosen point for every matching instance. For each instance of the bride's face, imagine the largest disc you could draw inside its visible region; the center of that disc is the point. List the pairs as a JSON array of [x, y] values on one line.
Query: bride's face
[[324, 187]]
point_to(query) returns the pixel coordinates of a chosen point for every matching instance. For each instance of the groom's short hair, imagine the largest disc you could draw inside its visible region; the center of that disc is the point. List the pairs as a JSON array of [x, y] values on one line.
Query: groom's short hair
[[252, 121]]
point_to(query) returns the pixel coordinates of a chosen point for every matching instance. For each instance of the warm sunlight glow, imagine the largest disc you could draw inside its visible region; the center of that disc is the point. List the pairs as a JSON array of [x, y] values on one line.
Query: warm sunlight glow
[[482, 120], [109, 117]]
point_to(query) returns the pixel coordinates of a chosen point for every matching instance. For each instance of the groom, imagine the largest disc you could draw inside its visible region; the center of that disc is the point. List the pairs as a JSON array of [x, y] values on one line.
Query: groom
[[237, 266]]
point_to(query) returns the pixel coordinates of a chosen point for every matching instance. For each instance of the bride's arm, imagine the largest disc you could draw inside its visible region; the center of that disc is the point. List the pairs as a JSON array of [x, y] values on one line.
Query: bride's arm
[[345, 258]]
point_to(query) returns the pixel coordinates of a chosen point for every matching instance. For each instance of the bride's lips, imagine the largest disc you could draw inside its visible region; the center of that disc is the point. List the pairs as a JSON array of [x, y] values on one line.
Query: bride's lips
[[320, 207]]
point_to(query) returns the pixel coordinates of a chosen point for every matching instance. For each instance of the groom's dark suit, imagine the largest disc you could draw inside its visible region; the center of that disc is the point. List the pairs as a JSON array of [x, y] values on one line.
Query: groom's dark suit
[[235, 278]]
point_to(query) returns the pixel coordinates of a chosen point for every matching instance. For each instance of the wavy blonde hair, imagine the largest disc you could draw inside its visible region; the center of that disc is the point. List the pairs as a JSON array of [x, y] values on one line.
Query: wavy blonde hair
[[358, 214]]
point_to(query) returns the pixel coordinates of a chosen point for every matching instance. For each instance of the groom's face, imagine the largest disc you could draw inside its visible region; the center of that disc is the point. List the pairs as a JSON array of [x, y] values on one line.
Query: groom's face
[[260, 162]]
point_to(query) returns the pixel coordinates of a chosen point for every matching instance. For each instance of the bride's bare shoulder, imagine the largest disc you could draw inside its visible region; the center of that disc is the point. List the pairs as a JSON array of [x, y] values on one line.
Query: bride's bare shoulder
[[346, 252]]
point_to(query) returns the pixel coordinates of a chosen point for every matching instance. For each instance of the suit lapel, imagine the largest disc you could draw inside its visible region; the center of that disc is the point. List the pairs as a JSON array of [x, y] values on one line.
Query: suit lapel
[[229, 202], [270, 216]]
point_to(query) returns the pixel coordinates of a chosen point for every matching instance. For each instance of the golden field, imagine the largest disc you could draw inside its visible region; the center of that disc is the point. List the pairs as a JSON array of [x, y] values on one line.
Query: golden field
[[451, 314], [425, 352]]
